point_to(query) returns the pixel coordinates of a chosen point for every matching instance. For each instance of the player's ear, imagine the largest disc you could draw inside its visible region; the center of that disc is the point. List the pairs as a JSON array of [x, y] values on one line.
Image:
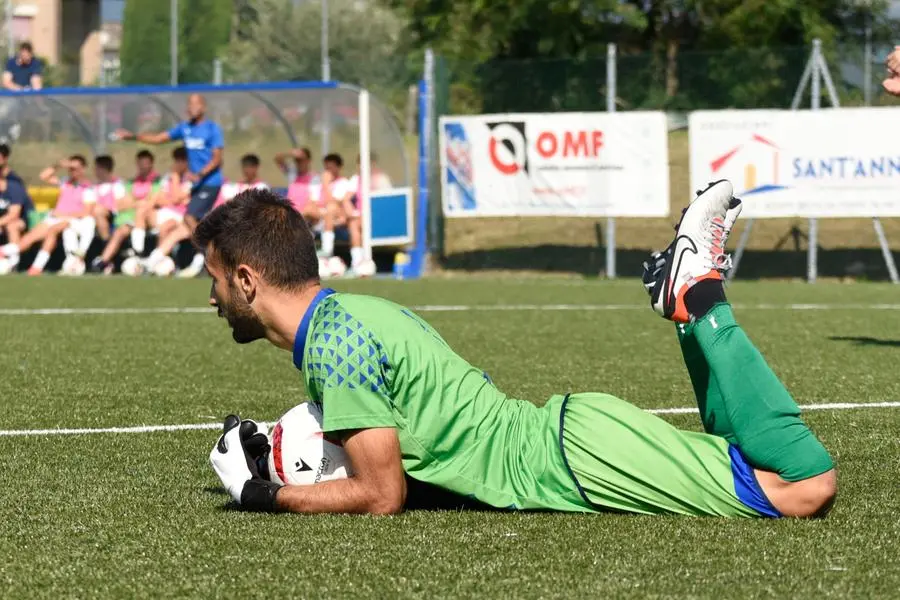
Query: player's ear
[[247, 280]]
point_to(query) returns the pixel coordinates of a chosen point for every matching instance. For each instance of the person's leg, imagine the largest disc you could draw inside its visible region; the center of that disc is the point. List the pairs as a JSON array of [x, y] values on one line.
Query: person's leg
[[328, 214], [15, 231], [14, 249], [167, 244], [740, 398], [115, 243], [202, 201], [102, 217], [142, 220], [754, 408], [85, 227], [47, 247], [623, 458], [354, 227]]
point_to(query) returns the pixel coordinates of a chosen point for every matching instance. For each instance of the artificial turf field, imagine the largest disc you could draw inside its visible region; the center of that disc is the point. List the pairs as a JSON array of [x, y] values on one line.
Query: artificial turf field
[[141, 514]]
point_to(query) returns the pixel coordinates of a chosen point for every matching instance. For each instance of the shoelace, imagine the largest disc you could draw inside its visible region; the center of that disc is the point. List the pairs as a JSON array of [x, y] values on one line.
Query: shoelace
[[717, 238]]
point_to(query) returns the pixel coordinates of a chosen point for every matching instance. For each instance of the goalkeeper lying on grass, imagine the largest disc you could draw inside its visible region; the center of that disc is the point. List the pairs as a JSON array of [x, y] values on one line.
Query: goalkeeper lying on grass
[[404, 403]]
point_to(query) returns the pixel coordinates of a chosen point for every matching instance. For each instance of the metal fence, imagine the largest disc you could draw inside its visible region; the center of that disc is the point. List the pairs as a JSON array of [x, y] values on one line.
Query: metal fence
[[689, 80]]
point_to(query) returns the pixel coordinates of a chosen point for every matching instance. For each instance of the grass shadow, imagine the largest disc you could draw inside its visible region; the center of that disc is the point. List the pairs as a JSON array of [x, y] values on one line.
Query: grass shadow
[[866, 341], [854, 263]]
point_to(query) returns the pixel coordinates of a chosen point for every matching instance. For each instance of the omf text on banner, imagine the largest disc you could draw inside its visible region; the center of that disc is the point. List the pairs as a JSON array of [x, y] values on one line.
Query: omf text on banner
[[555, 164]]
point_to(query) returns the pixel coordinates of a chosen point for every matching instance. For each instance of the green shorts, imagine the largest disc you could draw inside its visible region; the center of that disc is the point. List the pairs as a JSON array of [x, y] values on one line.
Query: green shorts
[[625, 459], [125, 217]]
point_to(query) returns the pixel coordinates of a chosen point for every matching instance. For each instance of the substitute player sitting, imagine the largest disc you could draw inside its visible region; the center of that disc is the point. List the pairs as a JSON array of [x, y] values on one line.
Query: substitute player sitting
[[138, 193], [110, 192], [249, 180], [403, 403], [15, 208], [166, 212], [70, 218]]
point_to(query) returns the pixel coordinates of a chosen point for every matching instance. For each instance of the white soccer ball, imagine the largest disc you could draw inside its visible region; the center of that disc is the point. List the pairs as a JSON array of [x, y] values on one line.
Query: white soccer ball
[[73, 267], [132, 266], [165, 267], [336, 267], [301, 455], [366, 268], [6, 266]]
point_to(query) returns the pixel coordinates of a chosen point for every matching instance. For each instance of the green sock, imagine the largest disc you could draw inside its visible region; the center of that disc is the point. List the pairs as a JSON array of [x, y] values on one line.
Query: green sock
[[706, 388], [763, 417]]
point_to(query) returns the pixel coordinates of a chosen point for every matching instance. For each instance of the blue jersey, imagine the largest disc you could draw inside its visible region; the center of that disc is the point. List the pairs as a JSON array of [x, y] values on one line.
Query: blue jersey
[[200, 139], [22, 73], [15, 194]]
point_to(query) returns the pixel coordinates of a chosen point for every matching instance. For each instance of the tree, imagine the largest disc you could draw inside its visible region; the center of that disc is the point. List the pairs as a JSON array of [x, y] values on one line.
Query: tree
[[283, 42], [203, 31], [144, 53], [205, 27]]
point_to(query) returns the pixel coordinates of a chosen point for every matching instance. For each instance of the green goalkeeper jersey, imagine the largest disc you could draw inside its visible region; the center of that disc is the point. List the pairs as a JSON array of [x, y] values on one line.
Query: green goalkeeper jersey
[[370, 363]]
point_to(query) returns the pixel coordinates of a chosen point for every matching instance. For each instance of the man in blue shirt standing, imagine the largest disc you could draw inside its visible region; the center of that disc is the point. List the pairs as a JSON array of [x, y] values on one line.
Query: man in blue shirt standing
[[23, 71], [205, 145]]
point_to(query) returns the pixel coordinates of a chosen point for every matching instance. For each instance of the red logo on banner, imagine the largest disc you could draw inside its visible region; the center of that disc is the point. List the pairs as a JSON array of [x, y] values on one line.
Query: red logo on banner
[[508, 147]]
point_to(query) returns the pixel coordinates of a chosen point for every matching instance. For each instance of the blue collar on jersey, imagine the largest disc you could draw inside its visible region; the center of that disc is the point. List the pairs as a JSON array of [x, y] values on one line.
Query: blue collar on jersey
[[300, 340]]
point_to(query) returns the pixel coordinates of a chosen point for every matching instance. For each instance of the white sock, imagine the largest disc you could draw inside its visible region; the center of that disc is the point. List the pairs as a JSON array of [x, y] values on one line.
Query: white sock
[[356, 255], [87, 227], [328, 243], [40, 261], [155, 257], [10, 250], [70, 240], [197, 262], [138, 237], [13, 260]]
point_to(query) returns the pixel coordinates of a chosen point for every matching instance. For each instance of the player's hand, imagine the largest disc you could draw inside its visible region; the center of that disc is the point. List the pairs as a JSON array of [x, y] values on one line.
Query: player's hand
[[236, 467], [192, 177], [124, 134], [653, 269]]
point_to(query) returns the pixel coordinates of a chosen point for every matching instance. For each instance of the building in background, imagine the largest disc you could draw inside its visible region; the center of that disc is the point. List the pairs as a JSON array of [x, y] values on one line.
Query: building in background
[[78, 38]]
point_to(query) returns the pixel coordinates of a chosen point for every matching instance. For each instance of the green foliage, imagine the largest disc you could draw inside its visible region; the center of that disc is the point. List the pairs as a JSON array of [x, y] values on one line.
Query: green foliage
[[144, 53], [283, 42], [204, 27], [675, 54]]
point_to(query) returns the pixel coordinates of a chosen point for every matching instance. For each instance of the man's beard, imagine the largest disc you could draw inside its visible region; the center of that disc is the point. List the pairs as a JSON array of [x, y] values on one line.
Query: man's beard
[[245, 325]]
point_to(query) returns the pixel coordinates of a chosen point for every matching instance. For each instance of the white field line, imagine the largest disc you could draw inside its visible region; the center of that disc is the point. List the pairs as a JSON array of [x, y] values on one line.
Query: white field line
[[436, 308], [217, 425]]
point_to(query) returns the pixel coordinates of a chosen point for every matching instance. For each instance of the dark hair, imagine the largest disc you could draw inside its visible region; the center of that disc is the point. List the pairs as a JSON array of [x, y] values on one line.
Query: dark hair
[[179, 153], [334, 158], [261, 229], [79, 158], [307, 152], [105, 162], [145, 154], [5, 150], [27, 47], [249, 160]]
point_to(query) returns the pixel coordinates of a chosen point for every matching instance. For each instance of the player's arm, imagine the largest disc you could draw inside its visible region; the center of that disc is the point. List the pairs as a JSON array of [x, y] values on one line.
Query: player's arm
[[49, 176], [154, 138], [281, 159], [37, 79], [377, 486], [214, 163], [13, 212], [8, 82]]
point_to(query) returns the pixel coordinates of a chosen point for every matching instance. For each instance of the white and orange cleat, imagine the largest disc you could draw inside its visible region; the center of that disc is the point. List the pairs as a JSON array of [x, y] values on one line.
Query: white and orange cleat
[[698, 252]]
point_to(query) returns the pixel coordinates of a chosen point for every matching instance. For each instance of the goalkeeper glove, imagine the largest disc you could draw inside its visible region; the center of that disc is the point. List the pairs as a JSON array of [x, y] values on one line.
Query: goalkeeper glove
[[233, 459]]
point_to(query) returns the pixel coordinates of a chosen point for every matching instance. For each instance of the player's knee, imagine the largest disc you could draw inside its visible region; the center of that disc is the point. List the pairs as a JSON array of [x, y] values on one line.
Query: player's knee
[[815, 496]]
